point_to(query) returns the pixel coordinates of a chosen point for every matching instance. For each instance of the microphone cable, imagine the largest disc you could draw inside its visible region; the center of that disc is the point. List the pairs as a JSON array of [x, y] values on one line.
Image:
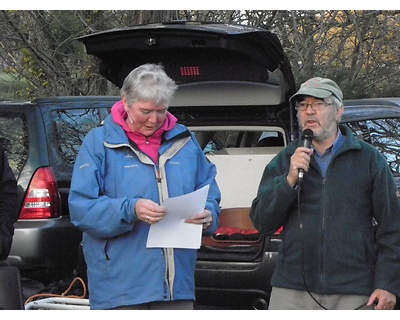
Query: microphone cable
[[302, 249], [303, 253]]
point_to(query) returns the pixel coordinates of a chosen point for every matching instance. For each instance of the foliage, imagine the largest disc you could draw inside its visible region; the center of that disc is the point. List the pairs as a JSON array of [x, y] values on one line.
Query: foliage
[[355, 48], [358, 49]]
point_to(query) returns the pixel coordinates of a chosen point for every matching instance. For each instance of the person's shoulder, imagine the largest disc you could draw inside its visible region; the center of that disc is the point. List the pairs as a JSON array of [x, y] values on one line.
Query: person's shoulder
[[364, 145], [291, 147], [94, 136], [97, 131], [179, 130], [181, 126]]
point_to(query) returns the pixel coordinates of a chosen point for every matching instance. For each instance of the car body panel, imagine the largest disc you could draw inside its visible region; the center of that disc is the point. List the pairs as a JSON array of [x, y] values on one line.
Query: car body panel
[[236, 65], [218, 51], [44, 248], [230, 93]]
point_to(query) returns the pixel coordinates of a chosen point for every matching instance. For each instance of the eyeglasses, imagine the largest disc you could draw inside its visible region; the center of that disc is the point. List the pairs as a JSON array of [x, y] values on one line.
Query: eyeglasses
[[316, 106]]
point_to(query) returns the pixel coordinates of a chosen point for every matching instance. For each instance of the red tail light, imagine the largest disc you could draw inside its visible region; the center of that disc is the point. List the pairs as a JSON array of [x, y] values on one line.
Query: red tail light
[[279, 231], [42, 200]]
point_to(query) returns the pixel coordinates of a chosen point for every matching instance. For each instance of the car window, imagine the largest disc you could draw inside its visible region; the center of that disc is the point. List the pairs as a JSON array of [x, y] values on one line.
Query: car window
[[14, 138], [212, 141], [382, 134], [235, 149], [71, 127]]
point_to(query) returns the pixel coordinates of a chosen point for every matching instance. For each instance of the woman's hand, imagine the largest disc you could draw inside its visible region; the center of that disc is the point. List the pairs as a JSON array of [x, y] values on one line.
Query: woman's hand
[[148, 211], [205, 218]]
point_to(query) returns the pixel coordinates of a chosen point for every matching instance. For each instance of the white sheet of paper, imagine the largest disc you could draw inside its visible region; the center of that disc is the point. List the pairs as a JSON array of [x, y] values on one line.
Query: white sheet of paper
[[172, 231]]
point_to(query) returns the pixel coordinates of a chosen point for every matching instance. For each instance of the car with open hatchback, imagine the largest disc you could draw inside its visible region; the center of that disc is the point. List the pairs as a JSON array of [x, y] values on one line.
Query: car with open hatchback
[[234, 84]]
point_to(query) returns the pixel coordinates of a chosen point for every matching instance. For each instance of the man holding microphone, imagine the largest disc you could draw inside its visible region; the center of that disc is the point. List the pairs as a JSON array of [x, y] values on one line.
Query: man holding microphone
[[335, 197]]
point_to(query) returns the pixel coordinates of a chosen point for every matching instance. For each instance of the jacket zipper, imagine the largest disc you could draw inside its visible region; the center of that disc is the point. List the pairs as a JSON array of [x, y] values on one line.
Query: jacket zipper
[[168, 252], [163, 193]]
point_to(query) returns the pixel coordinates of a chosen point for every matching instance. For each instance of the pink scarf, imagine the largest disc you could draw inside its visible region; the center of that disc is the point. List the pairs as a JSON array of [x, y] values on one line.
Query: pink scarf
[[149, 145]]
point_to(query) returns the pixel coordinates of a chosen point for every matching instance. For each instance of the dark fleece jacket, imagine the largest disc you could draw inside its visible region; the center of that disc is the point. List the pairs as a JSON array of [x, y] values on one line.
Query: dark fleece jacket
[[8, 205], [329, 234]]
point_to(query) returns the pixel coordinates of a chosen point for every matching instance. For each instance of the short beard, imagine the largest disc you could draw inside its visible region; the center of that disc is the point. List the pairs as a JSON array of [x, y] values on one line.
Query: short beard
[[326, 133]]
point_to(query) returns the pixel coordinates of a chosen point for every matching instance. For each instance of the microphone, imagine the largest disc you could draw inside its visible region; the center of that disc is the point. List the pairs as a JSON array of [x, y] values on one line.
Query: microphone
[[307, 136]]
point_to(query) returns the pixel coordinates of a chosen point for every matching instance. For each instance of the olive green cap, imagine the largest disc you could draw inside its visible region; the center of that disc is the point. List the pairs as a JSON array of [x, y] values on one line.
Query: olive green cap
[[320, 88]]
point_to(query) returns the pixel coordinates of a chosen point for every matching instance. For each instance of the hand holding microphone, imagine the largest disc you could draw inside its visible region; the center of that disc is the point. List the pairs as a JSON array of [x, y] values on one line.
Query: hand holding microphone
[[300, 159], [307, 136]]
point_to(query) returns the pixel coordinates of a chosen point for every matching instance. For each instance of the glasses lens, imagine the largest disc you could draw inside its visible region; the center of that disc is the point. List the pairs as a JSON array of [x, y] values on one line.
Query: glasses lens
[[316, 106]]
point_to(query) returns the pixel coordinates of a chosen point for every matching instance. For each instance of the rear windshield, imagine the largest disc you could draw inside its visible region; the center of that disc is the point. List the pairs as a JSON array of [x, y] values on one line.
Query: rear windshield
[[212, 141], [14, 138], [71, 128], [383, 134]]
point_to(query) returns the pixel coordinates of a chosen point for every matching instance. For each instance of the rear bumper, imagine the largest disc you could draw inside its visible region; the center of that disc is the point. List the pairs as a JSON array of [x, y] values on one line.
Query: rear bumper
[[49, 245], [236, 285]]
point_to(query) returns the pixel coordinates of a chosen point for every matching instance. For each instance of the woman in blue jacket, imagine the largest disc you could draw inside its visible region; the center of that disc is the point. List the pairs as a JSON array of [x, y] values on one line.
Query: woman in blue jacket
[[124, 170]]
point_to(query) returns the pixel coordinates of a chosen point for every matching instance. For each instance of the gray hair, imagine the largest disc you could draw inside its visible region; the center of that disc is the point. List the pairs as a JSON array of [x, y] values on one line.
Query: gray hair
[[148, 82], [336, 103]]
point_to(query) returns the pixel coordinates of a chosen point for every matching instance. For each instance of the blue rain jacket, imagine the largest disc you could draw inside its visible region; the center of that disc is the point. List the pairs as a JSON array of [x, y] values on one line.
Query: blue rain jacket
[[109, 176]]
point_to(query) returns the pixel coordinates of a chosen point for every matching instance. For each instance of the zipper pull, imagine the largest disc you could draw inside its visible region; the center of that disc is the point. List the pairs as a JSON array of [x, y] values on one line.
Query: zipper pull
[[158, 176], [147, 141]]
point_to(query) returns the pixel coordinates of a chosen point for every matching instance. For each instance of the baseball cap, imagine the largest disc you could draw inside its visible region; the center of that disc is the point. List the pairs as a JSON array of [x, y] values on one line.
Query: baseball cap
[[320, 88]]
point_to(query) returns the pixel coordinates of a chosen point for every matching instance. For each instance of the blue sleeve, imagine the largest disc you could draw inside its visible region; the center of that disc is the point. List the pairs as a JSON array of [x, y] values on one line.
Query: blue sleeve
[[207, 176], [91, 210]]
